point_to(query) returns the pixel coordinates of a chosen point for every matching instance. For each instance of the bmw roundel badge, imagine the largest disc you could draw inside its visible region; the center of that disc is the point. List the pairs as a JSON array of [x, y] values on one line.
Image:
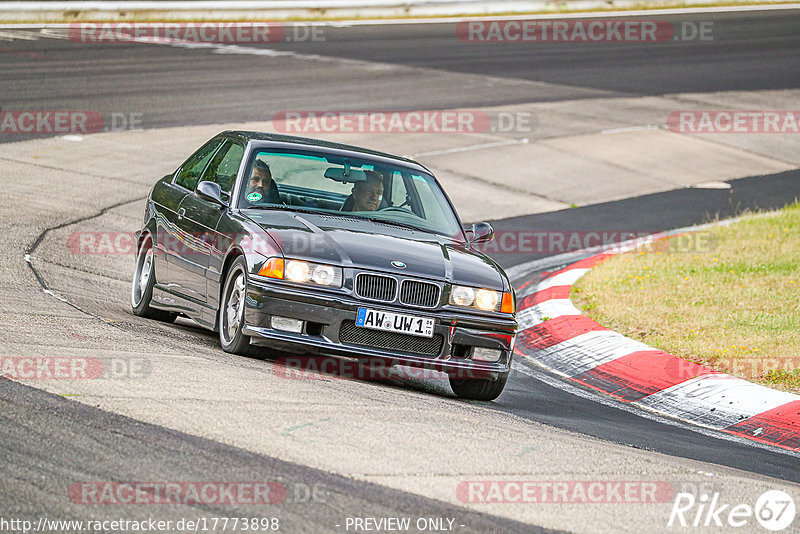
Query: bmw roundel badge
[[398, 264]]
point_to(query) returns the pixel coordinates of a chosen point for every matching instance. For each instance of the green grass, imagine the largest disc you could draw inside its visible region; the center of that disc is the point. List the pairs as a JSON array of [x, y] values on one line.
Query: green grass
[[733, 305]]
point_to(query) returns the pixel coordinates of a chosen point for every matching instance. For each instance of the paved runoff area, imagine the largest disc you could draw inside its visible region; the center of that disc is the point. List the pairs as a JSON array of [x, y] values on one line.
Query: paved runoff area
[[70, 203], [175, 376]]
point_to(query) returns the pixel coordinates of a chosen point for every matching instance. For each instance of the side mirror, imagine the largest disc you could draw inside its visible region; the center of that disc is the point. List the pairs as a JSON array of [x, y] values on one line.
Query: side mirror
[[210, 191], [480, 232]]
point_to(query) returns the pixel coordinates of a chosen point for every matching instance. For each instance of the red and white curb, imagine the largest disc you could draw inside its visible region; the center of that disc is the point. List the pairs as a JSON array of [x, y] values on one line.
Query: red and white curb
[[555, 334]]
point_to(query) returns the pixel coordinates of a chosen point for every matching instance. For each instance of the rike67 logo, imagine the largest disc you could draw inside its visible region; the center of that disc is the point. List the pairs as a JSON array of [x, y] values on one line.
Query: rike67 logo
[[774, 510]]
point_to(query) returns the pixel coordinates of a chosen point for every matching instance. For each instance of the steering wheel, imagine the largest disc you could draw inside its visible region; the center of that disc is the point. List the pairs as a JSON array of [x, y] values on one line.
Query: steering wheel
[[397, 208]]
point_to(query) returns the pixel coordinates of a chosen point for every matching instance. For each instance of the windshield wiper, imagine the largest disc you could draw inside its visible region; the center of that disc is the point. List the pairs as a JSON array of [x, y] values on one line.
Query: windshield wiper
[[284, 207], [345, 214], [395, 223]]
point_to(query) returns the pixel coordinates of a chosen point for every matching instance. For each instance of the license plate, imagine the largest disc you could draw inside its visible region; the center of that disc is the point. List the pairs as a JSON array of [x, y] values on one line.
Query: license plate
[[395, 322]]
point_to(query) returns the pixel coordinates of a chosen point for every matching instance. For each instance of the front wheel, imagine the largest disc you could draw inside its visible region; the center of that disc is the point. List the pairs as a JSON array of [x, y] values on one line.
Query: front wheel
[[231, 312], [477, 389], [144, 278]]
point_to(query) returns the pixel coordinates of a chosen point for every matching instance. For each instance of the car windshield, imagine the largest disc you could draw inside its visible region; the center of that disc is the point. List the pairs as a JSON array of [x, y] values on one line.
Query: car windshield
[[362, 188]]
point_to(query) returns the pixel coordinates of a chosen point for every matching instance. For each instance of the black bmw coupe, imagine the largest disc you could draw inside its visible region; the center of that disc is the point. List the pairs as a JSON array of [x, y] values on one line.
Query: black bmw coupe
[[319, 247]]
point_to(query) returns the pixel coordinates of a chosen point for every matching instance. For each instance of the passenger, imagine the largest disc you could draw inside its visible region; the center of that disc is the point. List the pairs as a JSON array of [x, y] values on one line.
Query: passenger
[[262, 188], [367, 195]]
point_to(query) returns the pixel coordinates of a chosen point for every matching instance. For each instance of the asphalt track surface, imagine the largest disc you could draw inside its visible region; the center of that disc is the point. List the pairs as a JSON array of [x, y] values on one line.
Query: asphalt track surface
[[177, 86], [80, 442], [187, 86], [658, 211]]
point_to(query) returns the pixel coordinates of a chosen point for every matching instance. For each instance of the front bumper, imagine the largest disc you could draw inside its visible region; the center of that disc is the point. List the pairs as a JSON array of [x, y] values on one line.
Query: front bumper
[[327, 315]]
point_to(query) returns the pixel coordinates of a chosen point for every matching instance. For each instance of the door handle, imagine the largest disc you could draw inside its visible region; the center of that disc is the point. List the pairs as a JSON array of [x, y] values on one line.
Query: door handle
[[181, 213]]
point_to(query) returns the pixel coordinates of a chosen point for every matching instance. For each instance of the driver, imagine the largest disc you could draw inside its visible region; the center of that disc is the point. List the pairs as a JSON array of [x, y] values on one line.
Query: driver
[[367, 195], [262, 188]]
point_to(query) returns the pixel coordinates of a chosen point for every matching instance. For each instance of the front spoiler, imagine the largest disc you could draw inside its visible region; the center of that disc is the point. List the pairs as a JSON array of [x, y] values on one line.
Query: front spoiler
[[455, 368], [267, 299]]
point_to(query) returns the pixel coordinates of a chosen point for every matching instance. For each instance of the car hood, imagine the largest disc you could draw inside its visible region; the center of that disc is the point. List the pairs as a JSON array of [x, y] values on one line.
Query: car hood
[[365, 244]]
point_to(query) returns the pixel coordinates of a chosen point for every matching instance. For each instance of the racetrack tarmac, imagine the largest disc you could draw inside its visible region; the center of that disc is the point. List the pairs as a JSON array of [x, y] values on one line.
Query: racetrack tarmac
[[394, 447], [76, 442]]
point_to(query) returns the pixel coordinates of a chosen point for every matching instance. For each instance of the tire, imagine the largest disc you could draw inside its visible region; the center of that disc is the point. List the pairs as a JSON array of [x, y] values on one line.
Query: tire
[[144, 278], [230, 319], [481, 390]]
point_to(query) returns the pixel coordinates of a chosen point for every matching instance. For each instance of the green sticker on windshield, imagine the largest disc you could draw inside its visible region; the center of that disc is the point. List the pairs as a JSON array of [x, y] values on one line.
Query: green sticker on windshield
[[254, 196]]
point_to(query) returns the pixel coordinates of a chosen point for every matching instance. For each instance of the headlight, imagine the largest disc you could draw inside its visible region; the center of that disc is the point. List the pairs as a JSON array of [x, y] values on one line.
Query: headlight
[[324, 275], [302, 272], [462, 296], [486, 299], [297, 271], [482, 299]]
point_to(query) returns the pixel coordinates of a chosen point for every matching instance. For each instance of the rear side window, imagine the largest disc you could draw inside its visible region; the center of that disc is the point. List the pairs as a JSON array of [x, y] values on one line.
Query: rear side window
[[192, 170]]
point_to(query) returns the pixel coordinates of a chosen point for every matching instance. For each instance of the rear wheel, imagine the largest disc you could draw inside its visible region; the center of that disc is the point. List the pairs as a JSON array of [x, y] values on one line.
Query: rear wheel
[[231, 312], [476, 389], [144, 278]]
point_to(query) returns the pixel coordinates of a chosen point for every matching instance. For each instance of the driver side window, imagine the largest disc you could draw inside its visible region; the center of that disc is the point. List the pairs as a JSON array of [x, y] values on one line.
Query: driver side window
[[192, 170]]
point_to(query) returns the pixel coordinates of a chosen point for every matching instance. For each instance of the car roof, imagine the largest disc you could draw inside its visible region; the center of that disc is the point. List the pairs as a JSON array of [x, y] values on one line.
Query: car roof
[[247, 136]]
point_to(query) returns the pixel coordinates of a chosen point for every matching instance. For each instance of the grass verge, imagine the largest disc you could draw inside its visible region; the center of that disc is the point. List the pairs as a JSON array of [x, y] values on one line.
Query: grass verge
[[727, 298]]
